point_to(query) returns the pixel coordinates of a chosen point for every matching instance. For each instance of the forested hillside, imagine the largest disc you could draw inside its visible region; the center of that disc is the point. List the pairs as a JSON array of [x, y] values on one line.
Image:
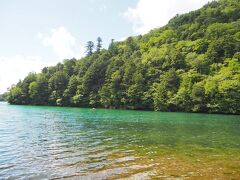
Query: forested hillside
[[192, 64]]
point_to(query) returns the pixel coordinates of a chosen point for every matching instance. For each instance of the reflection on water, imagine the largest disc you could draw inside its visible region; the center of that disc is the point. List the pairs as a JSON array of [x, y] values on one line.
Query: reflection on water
[[73, 143]]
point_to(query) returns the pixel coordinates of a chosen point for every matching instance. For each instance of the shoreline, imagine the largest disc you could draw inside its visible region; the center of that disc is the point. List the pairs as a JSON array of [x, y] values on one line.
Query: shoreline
[[144, 110]]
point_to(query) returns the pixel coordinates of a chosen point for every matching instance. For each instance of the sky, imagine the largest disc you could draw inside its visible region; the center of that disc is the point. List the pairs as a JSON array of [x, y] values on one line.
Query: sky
[[39, 33]]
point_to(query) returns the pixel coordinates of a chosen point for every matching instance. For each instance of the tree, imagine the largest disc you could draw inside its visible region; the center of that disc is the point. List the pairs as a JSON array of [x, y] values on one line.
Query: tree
[[113, 47], [15, 95], [68, 66], [90, 46], [57, 84], [71, 90], [99, 44], [31, 77], [165, 90], [38, 91]]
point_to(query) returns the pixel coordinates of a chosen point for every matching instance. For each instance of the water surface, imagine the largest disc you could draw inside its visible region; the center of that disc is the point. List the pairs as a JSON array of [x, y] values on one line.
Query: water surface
[[76, 143]]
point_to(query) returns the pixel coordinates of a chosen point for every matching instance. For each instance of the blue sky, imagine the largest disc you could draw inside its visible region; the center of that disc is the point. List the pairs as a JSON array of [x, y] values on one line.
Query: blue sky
[[38, 33]]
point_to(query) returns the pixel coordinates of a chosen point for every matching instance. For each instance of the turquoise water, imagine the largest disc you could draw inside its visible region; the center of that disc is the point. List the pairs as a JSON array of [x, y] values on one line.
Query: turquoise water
[[72, 143]]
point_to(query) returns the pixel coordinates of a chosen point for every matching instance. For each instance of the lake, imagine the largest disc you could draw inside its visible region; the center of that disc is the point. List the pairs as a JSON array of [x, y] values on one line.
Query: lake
[[76, 143]]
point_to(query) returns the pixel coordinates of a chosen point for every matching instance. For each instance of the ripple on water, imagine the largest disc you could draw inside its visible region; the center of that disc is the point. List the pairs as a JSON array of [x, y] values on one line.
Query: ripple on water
[[72, 143]]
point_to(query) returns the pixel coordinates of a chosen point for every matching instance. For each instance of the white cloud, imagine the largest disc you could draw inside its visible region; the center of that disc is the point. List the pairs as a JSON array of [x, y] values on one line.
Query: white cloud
[[14, 68], [122, 38], [149, 14], [62, 42], [103, 8], [17, 67]]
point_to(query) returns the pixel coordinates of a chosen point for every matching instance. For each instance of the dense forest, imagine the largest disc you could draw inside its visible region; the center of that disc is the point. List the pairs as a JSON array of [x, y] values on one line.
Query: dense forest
[[192, 64]]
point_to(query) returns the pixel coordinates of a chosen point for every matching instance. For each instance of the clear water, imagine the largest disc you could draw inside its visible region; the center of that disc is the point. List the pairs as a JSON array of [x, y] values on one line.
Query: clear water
[[74, 143]]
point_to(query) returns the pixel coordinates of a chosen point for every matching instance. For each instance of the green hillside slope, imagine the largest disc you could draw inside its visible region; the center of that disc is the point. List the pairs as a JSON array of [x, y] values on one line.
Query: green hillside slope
[[191, 65]]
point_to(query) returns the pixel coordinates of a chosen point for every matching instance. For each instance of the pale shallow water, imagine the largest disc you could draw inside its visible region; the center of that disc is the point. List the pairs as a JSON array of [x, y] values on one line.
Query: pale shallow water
[[73, 143]]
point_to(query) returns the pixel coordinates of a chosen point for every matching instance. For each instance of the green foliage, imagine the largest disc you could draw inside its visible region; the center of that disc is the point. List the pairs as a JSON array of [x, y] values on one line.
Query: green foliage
[[165, 91], [3, 97], [16, 95], [90, 46], [192, 64], [38, 91], [99, 44]]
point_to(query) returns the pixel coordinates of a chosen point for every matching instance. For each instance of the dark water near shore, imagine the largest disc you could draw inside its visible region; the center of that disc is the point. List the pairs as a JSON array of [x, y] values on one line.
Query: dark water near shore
[[74, 143]]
